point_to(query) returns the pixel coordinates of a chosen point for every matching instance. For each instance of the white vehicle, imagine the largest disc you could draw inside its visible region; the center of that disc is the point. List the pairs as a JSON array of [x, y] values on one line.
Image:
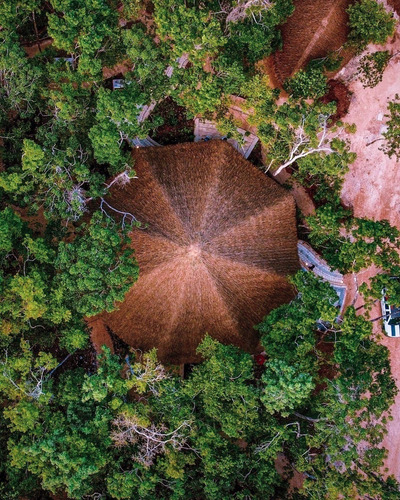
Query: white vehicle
[[391, 318]]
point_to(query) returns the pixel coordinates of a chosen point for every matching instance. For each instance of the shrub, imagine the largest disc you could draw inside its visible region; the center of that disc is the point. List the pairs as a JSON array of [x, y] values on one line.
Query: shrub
[[369, 23], [372, 66], [308, 83]]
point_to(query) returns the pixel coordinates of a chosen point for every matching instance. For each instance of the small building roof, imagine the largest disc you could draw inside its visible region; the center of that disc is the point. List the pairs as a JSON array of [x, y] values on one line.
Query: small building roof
[[315, 29]]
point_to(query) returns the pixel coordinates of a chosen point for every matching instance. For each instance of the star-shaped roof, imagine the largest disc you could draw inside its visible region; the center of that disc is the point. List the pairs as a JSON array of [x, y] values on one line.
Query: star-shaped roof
[[217, 241]]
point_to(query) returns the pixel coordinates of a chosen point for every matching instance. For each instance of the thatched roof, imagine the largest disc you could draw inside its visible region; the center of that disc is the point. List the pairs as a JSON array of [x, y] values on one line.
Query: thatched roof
[[395, 4], [218, 240], [316, 28]]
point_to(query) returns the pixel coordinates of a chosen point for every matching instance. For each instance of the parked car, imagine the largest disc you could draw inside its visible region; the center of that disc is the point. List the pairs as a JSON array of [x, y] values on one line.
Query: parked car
[[391, 318]]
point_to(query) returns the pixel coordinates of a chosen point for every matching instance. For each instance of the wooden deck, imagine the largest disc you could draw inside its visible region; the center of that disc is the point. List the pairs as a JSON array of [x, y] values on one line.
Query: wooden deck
[[182, 62], [206, 129]]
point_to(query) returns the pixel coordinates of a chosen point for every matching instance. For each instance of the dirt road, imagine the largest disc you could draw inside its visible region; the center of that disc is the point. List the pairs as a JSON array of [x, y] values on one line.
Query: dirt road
[[372, 189]]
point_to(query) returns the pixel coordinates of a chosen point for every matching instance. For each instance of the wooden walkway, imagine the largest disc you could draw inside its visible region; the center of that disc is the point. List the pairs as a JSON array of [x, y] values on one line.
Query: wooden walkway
[[309, 257], [144, 114], [206, 129], [311, 261]]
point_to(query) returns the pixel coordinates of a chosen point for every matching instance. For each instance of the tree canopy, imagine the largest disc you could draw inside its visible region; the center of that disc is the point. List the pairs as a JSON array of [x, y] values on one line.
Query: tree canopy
[[122, 425], [136, 429]]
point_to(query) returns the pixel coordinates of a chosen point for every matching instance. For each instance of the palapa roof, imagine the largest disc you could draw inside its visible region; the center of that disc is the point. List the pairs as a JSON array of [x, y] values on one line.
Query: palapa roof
[[396, 5], [316, 28], [217, 241]]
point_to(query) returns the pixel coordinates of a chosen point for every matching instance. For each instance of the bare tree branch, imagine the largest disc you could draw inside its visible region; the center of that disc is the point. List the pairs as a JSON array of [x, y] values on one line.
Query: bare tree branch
[[152, 440], [301, 147], [245, 8]]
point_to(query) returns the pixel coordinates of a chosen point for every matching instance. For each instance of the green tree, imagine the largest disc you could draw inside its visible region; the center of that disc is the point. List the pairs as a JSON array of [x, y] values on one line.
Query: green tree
[[25, 276], [225, 396], [370, 23], [392, 135], [345, 419], [372, 66], [284, 388], [69, 442], [117, 121], [308, 83], [351, 412], [55, 179], [96, 269], [253, 34], [21, 79], [350, 243], [202, 36], [85, 30], [15, 13], [150, 62]]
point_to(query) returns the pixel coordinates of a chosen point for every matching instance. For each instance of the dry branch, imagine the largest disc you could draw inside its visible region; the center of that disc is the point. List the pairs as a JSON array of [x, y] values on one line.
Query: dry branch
[[152, 440]]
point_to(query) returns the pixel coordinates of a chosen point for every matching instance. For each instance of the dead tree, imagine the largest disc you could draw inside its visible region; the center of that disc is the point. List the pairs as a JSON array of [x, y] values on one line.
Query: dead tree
[[247, 8], [152, 440], [303, 147]]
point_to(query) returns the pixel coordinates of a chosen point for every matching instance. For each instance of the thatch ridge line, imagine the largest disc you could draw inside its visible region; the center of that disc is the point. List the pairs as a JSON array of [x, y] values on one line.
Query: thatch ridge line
[[316, 28], [324, 23], [267, 272], [169, 200], [251, 218]]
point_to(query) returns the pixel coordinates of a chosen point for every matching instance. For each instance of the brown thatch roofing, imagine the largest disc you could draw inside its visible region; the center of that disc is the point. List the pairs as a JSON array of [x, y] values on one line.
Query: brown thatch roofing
[[316, 28], [218, 241], [395, 4]]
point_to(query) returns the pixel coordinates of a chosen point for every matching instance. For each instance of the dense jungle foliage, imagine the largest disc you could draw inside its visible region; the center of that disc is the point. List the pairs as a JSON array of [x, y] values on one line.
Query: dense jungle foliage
[[124, 426]]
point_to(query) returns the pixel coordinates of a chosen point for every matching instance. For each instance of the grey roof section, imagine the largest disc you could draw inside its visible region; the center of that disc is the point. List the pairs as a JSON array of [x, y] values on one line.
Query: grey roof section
[[310, 260], [143, 143], [317, 264]]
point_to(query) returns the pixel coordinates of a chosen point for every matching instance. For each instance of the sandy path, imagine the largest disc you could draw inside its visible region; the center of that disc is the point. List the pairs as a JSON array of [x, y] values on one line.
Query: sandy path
[[372, 189], [372, 186]]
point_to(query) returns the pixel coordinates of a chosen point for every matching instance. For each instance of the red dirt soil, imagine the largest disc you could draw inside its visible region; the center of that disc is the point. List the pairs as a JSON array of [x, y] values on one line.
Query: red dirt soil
[[372, 189], [395, 4], [339, 93], [372, 186]]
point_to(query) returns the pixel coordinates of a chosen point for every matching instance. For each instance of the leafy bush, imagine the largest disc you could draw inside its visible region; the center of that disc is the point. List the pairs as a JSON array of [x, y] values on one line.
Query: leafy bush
[[369, 23], [309, 83], [392, 134], [372, 66]]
